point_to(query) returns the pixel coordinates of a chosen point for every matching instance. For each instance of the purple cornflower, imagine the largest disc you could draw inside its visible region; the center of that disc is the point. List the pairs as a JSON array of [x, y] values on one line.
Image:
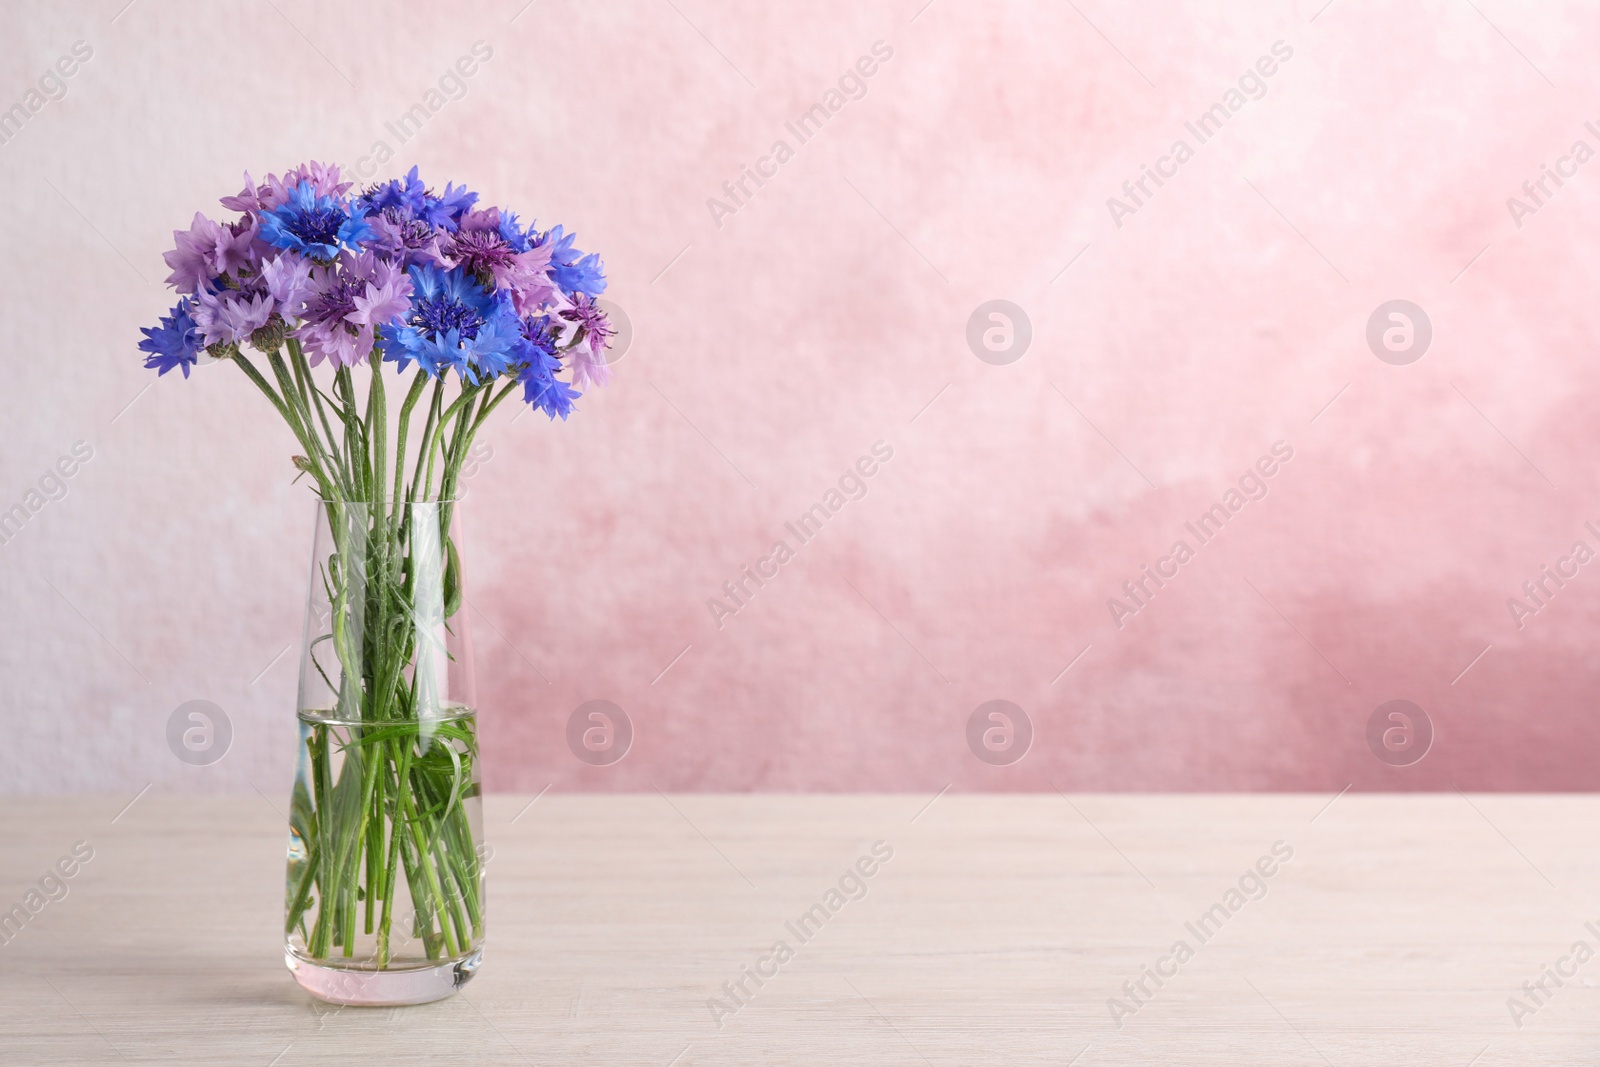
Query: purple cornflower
[[288, 279], [350, 300], [479, 248], [408, 240], [231, 316], [274, 192], [593, 334], [209, 250]]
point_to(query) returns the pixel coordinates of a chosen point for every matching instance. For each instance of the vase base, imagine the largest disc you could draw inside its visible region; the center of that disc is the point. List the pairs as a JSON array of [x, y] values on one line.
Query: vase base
[[381, 989]]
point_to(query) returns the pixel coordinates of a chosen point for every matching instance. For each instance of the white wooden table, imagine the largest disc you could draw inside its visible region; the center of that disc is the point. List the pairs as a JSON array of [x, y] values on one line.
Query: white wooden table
[[996, 934]]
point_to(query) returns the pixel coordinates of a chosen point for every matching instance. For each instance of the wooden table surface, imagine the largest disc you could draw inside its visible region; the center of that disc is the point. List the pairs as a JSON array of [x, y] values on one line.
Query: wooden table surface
[[1397, 931]]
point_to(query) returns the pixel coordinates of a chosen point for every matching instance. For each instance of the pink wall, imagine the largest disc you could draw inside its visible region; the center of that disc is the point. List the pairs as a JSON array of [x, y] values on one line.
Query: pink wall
[[827, 313]]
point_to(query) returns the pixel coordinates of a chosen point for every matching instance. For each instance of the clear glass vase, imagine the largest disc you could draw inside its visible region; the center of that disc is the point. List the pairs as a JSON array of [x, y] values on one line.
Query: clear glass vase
[[385, 888]]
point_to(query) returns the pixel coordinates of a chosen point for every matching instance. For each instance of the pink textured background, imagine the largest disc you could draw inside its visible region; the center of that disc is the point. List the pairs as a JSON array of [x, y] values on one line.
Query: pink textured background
[[772, 351]]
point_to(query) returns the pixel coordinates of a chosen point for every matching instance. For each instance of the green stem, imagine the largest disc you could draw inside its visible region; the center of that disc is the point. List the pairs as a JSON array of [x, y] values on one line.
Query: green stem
[[387, 889], [467, 395], [310, 396], [261, 383], [300, 422], [313, 455], [455, 449], [424, 446], [459, 453], [418, 383], [356, 446], [431, 876], [491, 405], [322, 788]]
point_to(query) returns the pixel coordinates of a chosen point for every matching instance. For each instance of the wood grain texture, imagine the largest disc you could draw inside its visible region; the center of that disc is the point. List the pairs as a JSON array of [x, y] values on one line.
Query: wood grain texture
[[996, 933]]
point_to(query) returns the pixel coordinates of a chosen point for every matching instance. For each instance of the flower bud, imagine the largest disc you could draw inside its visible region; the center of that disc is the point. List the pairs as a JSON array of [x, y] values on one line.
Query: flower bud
[[269, 338], [222, 350]]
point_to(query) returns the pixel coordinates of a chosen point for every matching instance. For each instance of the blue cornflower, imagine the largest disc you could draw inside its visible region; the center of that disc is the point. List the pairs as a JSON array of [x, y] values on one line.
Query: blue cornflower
[[447, 299], [446, 210], [315, 226], [434, 355], [412, 200], [541, 334], [540, 386], [407, 194], [550, 395], [492, 350], [571, 269], [512, 233], [453, 322], [174, 343]]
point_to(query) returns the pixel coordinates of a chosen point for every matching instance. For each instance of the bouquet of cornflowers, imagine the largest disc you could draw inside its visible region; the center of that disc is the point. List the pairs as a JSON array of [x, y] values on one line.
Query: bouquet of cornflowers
[[397, 273], [309, 283]]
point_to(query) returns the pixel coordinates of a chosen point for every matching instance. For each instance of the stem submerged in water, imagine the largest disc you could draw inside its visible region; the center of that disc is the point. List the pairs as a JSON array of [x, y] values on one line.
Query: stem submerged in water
[[401, 818]]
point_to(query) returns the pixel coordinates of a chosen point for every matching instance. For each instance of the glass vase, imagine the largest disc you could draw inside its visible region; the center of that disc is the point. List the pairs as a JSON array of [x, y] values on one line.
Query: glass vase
[[385, 887]]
